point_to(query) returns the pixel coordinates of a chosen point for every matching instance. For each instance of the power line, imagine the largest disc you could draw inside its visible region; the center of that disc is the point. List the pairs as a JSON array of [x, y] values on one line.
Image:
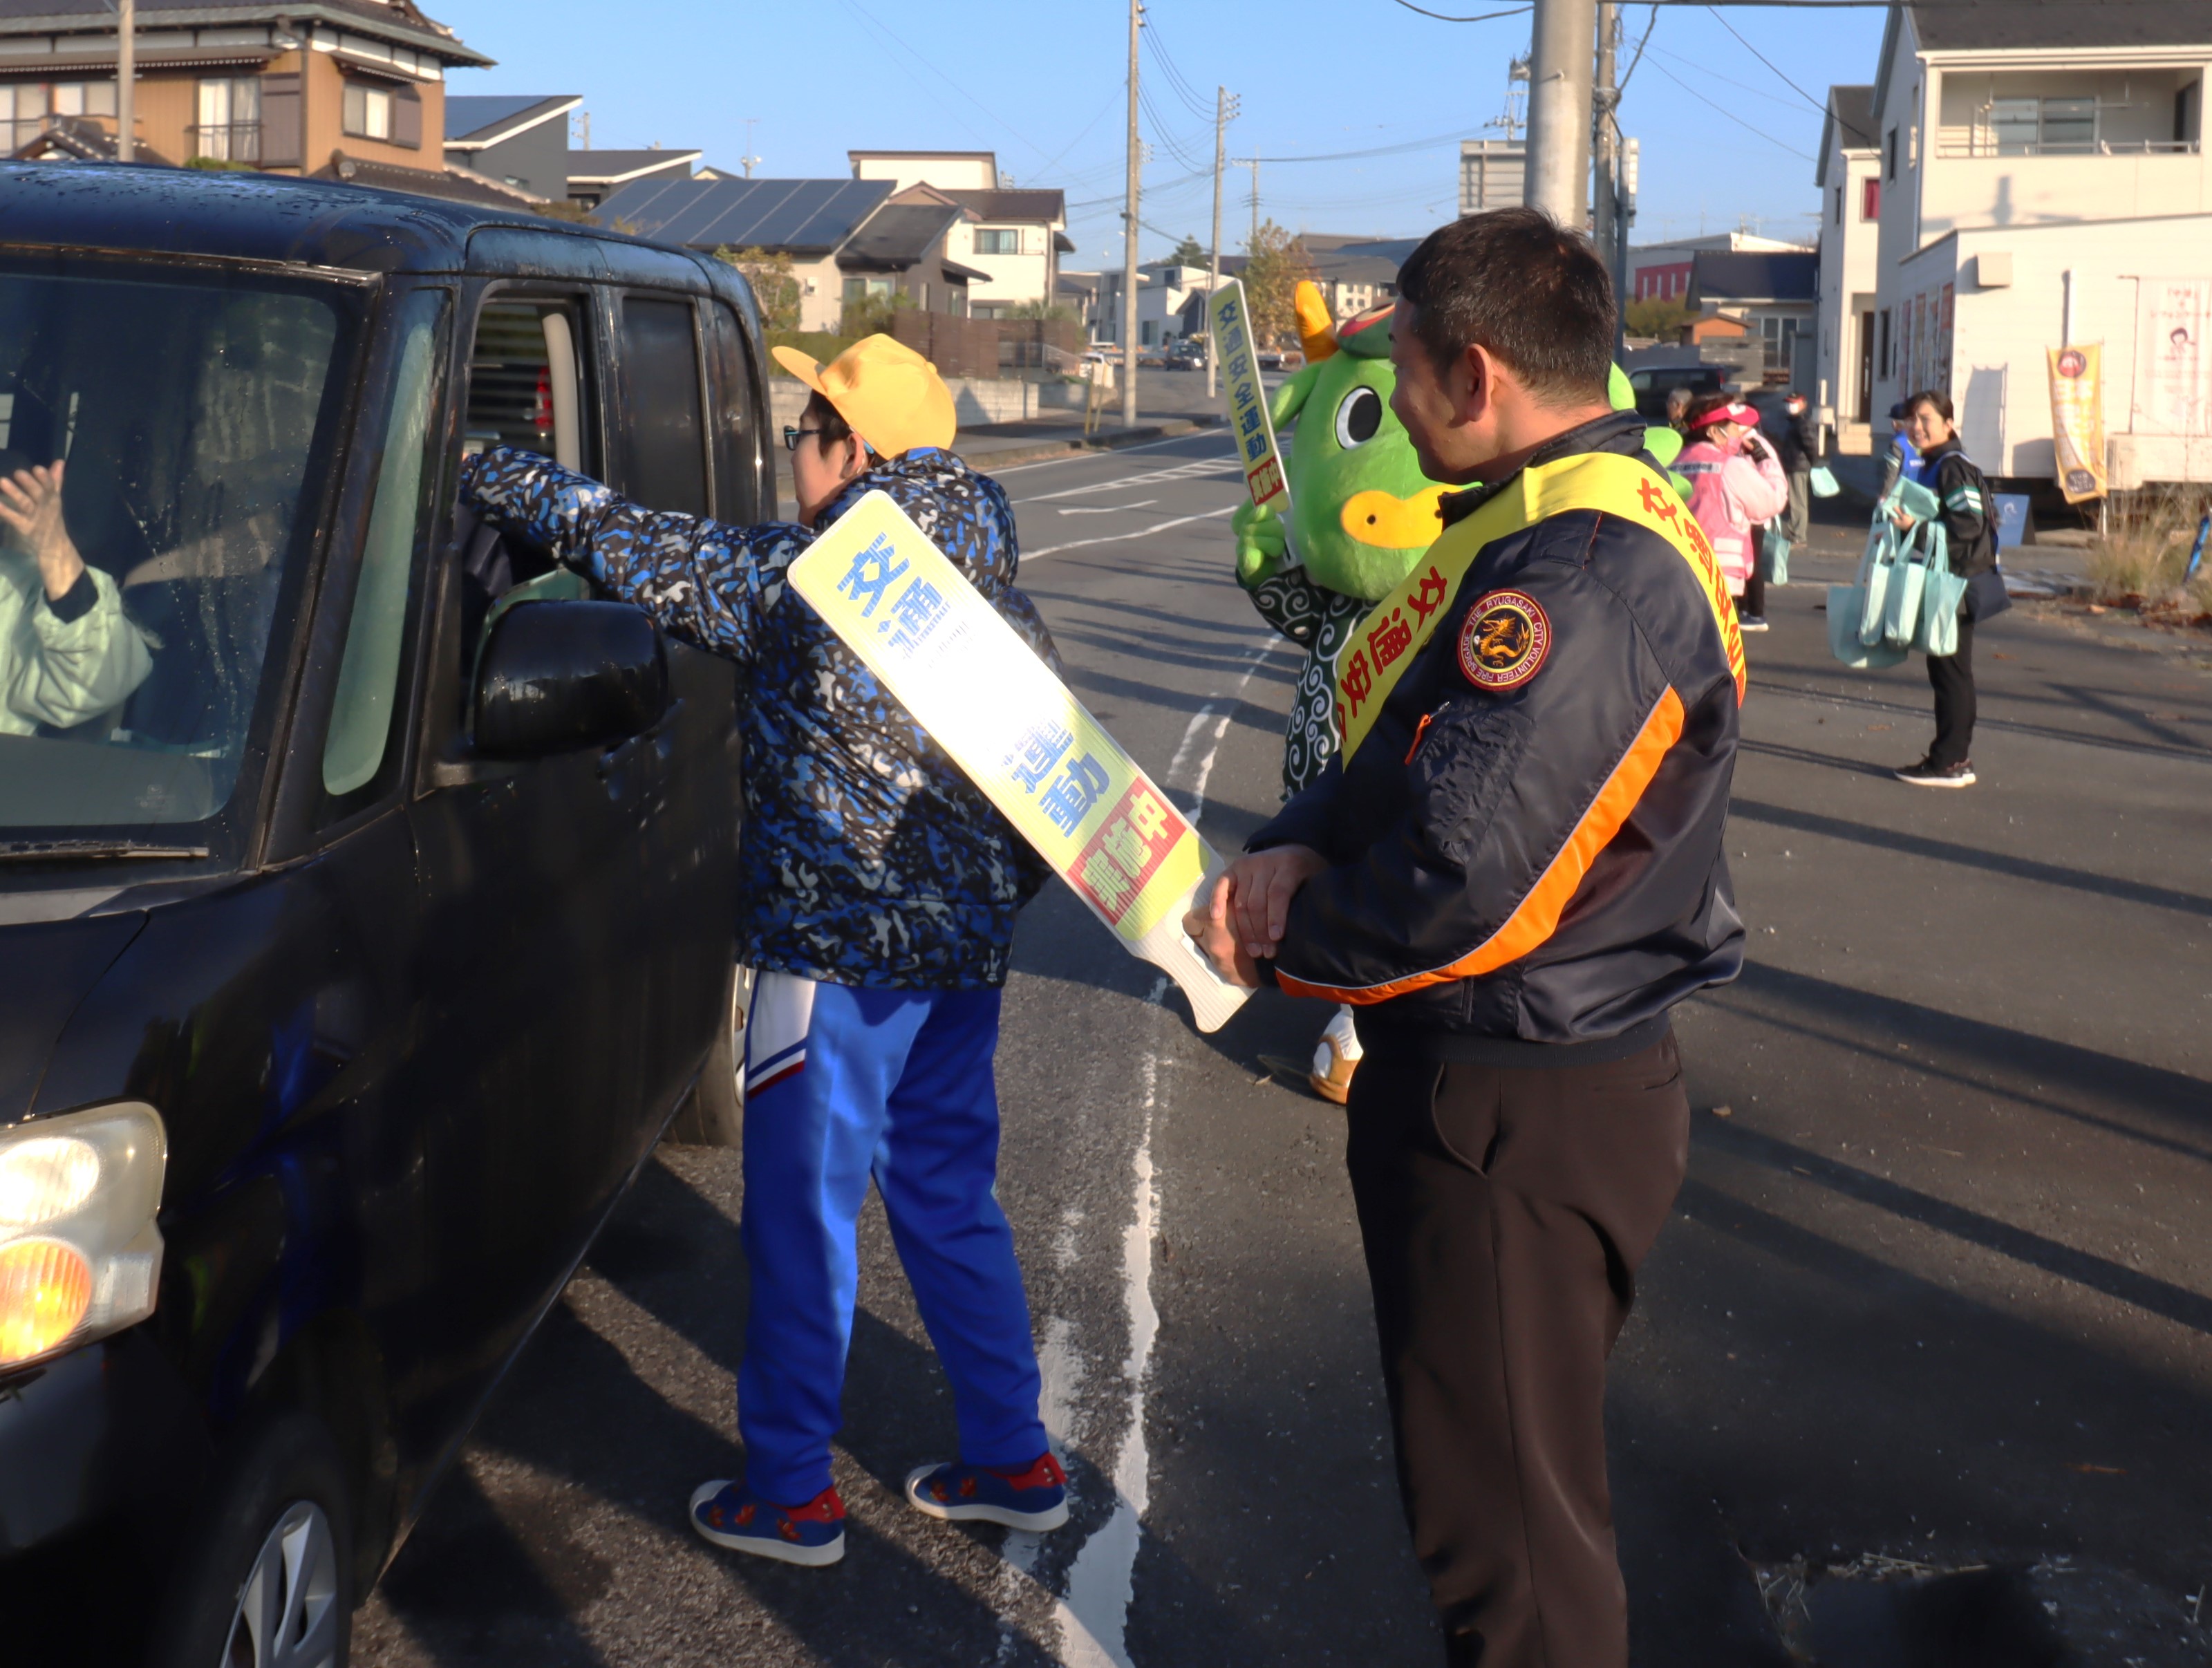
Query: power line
[[1817, 104], [1726, 112], [1176, 80], [1483, 17], [1379, 150], [1652, 24], [1711, 74]]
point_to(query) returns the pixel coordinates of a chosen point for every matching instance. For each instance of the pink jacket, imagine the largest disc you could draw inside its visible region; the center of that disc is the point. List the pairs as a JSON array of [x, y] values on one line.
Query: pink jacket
[[1731, 493]]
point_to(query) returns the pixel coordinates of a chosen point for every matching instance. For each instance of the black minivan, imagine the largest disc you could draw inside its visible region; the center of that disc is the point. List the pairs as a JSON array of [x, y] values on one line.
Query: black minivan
[[367, 890]]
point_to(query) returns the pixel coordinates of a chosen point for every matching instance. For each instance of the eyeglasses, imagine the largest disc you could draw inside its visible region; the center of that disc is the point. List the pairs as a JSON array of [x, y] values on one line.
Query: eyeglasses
[[791, 435]]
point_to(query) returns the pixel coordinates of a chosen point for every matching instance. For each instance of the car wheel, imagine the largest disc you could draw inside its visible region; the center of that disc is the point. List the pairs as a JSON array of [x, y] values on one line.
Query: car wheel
[[714, 1113], [264, 1582]]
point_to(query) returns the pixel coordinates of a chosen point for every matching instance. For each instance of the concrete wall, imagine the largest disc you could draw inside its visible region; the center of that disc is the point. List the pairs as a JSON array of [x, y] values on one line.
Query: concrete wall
[[975, 400]]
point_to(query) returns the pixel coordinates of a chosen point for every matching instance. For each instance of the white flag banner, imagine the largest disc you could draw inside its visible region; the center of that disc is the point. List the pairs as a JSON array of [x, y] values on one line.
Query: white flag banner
[[2174, 370]]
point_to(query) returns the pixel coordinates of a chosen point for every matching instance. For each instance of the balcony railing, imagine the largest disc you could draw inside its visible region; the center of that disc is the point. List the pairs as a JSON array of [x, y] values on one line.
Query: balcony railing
[[227, 141], [1962, 142]]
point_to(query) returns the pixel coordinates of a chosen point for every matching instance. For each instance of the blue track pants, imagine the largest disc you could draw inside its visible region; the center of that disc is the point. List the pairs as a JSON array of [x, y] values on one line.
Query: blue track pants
[[844, 1083]]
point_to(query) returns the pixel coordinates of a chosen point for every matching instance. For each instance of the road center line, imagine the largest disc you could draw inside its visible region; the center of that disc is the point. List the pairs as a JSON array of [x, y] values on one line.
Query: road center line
[[1140, 533]]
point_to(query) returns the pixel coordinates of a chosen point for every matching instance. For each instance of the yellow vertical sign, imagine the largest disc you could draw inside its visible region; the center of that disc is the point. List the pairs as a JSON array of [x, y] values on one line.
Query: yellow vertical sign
[[1067, 787], [2077, 420], [1249, 425]]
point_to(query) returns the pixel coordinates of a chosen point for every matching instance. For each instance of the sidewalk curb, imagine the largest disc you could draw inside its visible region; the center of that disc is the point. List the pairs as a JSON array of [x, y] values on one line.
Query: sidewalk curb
[[1168, 429]]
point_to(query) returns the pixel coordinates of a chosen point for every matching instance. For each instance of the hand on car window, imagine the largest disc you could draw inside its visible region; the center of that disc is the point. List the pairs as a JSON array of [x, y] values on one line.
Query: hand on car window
[[31, 506]]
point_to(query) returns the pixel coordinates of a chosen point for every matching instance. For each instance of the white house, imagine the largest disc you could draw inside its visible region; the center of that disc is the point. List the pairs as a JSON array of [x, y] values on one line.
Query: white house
[[2044, 183], [1015, 236], [1165, 289], [1849, 178]]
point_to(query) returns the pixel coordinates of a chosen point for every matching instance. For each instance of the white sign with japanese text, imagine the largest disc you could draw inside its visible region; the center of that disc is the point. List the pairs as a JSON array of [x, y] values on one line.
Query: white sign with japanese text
[[1105, 826], [1249, 425]]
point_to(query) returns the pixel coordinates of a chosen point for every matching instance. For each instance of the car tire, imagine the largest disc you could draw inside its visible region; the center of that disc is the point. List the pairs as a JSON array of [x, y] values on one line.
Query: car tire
[[264, 1580], [714, 1113]]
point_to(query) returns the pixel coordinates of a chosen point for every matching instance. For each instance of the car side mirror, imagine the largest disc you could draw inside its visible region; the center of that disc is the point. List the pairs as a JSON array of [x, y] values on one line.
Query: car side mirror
[[560, 675]]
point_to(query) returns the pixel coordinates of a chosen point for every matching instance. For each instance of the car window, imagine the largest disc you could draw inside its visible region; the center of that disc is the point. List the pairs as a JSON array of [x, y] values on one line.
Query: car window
[[736, 468], [362, 716], [665, 454], [185, 414], [526, 380]]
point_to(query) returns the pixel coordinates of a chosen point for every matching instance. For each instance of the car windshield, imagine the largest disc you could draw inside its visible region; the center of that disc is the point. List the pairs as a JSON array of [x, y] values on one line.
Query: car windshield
[[155, 436]]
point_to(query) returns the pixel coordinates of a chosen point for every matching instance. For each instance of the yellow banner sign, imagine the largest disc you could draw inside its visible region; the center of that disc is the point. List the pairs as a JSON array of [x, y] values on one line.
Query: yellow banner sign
[[2077, 420], [1249, 425], [984, 696]]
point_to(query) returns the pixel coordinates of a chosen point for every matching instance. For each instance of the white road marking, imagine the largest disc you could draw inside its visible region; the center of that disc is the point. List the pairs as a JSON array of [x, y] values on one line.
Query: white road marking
[[1094, 1617], [1140, 533], [1104, 509], [1084, 457], [1191, 469]]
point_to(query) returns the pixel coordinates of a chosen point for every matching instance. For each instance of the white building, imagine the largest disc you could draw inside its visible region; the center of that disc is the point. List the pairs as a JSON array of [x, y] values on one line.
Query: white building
[[2043, 181], [1849, 178], [1015, 236], [1165, 290]]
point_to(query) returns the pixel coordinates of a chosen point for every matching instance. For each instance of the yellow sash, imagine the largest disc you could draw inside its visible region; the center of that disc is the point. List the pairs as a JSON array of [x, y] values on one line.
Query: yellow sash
[[1370, 664]]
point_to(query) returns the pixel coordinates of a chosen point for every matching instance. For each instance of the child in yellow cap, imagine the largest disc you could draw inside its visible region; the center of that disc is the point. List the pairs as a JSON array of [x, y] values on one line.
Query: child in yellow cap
[[881, 889]]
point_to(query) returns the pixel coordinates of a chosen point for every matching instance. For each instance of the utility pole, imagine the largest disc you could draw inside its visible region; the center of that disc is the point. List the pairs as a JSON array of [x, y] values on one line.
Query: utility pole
[[1254, 165], [1605, 176], [1559, 108], [750, 160], [1225, 108], [1129, 240], [126, 78], [1631, 169]]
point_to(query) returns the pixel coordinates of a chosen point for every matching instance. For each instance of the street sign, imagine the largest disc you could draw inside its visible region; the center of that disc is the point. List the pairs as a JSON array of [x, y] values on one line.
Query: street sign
[[1249, 425], [1103, 825]]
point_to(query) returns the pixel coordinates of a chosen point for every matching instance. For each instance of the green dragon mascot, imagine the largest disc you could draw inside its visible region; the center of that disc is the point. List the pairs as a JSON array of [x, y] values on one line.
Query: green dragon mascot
[[1362, 513]]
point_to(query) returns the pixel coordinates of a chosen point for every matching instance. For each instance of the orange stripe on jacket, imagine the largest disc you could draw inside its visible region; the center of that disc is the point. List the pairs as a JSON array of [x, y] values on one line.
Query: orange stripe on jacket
[[1538, 916]]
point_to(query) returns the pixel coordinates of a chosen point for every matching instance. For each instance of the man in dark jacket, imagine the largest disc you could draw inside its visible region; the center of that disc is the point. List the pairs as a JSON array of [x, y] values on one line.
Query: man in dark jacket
[[1515, 867], [1799, 444], [881, 888]]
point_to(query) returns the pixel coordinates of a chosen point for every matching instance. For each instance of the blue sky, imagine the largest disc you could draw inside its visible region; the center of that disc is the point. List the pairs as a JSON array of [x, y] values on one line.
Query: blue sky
[[1726, 139]]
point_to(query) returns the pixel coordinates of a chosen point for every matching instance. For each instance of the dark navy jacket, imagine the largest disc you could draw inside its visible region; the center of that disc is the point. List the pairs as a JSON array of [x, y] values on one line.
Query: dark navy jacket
[[1533, 874], [868, 856]]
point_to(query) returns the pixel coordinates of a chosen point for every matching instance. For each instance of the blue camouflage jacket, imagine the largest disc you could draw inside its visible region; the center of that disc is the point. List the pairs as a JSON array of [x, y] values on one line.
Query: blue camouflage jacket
[[868, 857]]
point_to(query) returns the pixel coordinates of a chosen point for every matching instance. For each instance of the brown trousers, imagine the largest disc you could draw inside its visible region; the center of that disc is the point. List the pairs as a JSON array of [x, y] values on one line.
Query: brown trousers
[[1504, 1213]]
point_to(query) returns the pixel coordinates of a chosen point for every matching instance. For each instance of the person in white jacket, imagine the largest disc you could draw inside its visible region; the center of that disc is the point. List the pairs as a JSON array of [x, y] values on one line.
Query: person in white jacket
[[68, 653], [1736, 483]]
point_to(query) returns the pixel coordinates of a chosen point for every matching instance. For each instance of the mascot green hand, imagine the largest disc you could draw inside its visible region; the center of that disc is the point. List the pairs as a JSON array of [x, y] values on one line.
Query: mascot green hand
[[1660, 441]]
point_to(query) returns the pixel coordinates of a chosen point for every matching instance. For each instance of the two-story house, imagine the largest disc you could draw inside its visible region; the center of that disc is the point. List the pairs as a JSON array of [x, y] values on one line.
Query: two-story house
[[2044, 184], [350, 88], [1849, 178], [1014, 236], [520, 140]]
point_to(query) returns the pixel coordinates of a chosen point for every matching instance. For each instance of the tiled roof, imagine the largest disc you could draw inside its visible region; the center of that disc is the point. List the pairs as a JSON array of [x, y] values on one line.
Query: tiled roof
[[398, 20], [1731, 275], [1997, 25], [487, 118], [1039, 207]]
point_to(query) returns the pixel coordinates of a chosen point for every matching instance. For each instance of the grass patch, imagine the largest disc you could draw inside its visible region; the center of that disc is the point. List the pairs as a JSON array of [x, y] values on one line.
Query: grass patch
[[2139, 560]]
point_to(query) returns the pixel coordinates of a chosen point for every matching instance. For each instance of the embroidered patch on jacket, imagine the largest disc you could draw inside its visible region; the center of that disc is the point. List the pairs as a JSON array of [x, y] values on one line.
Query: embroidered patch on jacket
[[1504, 641]]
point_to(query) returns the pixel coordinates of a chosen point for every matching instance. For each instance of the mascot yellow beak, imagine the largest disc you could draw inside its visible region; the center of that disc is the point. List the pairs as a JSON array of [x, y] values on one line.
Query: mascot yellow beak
[[1392, 523]]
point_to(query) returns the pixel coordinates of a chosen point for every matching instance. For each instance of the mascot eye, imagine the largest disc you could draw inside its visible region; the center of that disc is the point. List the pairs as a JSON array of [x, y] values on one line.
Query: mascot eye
[[1359, 418]]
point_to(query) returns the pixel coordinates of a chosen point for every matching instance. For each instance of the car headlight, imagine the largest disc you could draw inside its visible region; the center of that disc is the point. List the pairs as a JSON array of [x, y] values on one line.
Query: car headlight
[[79, 1253]]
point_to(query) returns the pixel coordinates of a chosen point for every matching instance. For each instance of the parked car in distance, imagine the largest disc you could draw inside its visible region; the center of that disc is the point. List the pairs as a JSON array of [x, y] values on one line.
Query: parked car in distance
[[1652, 386], [1187, 353], [361, 934]]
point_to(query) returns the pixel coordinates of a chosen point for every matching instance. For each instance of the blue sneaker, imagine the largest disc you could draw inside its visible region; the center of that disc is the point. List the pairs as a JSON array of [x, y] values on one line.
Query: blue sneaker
[[1035, 1497], [731, 1515]]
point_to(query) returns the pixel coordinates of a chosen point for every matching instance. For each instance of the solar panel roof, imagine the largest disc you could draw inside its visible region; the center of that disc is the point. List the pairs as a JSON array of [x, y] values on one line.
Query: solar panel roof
[[742, 214]]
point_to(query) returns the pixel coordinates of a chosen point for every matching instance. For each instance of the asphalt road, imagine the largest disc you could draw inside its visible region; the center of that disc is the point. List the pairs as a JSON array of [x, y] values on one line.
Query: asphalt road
[[1937, 1297]]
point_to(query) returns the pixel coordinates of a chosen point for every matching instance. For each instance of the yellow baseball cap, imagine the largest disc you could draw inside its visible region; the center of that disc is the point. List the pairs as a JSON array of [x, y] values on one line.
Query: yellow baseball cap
[[893, 398]]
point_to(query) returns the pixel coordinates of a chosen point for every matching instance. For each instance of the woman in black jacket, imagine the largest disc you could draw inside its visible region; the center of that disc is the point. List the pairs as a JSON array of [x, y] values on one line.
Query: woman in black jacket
[[1970, 522]]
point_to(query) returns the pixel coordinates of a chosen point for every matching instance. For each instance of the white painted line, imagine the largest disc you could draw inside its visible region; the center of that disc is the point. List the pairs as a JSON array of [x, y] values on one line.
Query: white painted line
[[1192, 469], [1094, 1617], [1117, 538], [1104, 509], [1090, 457]]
